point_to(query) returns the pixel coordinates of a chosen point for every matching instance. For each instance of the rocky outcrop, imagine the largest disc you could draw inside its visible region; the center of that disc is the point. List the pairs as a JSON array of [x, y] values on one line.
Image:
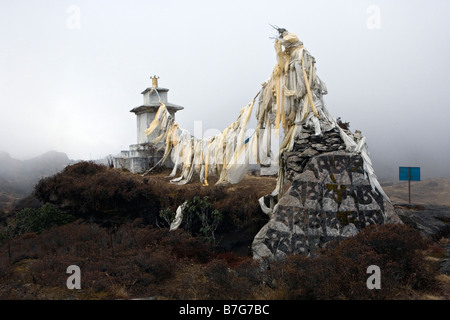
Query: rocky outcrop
[[432, 220], [329, 197]]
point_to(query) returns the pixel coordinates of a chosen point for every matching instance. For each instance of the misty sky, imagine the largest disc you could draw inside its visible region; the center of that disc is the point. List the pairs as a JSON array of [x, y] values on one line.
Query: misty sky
[[70, 71]]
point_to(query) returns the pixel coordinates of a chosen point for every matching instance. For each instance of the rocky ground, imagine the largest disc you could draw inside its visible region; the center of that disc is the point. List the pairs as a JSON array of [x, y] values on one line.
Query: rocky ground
[[434, 222]]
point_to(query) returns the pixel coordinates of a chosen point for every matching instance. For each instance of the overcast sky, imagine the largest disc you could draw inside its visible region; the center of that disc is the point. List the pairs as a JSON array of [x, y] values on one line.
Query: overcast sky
[[70, 71]]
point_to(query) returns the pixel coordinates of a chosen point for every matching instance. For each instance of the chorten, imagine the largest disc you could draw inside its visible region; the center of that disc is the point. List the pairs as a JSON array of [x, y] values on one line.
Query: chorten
[[144, 154]]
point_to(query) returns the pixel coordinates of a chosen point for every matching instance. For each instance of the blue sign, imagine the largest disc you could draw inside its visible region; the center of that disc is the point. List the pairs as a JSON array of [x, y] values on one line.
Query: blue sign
[[409, 173]]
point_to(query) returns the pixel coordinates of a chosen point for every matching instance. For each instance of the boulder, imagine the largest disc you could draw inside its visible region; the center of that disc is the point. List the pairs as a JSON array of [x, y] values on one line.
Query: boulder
[[432, 220], [330, 199]]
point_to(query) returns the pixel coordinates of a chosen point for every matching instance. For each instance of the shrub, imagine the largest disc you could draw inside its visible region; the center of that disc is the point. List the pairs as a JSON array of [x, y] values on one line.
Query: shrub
[[184, 246], [84, 168], [167, 216], [339, 272], [38, 220], [90, 191], [108, 196], [201, 209], [198, 218], [137, 260]]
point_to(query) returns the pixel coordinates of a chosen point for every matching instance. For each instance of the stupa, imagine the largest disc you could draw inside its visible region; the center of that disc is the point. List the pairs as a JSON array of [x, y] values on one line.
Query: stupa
[[145, 154]]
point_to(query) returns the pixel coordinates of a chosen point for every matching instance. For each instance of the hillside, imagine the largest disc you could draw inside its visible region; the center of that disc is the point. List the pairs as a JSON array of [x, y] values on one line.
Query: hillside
[[120, 240], [18, 177], [428, 191], [126, 251]]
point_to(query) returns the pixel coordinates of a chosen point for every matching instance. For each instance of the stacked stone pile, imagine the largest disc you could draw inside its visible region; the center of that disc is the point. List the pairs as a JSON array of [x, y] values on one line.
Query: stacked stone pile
[[329, 198], [309, 145]]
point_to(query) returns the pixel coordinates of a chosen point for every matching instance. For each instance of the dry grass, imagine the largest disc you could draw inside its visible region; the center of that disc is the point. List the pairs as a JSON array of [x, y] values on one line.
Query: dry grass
[[119, 292], [428, 191], [443, 278]]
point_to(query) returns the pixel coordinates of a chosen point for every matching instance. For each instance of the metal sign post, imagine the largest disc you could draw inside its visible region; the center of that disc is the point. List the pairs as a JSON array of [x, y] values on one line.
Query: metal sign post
[[410, 174], [409, 185]]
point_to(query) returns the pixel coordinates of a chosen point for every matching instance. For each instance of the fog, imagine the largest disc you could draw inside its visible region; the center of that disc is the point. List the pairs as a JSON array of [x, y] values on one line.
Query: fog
[[70, 71]]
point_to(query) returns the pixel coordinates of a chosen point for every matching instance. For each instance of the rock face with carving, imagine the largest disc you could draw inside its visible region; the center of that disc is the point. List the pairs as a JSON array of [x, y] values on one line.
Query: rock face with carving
[[329, 198], [327, 188]]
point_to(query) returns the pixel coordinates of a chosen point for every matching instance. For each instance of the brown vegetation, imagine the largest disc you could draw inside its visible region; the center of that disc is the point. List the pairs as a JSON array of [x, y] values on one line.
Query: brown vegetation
[[123, 254], [107, 196], [137, 260]]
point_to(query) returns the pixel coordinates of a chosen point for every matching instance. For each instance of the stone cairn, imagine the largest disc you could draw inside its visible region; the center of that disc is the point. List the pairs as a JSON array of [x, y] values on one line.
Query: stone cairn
[[309, 145], [326, 187], [328, 197]]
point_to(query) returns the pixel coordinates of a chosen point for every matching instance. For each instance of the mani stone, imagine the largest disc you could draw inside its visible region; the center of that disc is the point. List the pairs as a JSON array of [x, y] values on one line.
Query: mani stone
[[331, 199]]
